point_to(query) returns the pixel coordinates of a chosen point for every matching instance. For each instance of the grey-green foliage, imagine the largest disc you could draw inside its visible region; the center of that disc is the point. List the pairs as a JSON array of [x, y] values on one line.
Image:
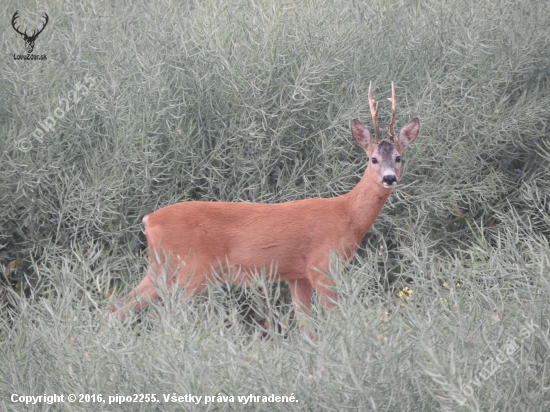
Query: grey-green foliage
[[251, 101], [246, 101]]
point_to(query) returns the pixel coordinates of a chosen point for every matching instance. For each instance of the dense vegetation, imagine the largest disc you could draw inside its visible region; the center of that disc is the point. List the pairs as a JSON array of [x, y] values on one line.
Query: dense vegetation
[[143, 104]]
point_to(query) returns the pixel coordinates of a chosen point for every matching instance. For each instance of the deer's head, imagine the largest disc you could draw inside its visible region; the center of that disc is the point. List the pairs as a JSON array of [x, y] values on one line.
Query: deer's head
[[384, 155], [29, 39]]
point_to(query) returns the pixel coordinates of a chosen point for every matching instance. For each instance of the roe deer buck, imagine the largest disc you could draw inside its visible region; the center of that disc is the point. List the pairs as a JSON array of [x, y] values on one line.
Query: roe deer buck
[[196, 238]]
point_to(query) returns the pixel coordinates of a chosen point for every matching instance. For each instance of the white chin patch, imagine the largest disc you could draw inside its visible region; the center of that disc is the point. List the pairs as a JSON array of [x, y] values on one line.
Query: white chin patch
[[387, 186]]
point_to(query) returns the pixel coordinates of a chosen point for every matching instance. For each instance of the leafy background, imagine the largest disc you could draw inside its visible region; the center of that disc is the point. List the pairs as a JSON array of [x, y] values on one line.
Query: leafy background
[[251, 101]]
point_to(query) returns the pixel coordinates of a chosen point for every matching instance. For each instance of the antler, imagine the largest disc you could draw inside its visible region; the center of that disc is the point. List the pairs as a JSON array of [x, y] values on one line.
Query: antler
[[15, 16], [374, 112], [45, 24], [35, 33], [393, 107]]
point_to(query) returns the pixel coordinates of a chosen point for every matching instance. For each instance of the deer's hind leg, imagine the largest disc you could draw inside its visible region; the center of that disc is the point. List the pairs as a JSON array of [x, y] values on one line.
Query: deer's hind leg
[[324, 287], [300, 291], [160, 273]]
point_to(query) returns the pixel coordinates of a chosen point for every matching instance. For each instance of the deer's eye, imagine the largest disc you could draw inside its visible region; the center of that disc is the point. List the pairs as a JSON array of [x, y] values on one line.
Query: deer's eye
[[398, 159], [374, 160]]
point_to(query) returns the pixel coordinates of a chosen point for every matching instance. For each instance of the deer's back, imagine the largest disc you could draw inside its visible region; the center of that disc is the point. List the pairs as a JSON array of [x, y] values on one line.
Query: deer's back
[[251, 234]]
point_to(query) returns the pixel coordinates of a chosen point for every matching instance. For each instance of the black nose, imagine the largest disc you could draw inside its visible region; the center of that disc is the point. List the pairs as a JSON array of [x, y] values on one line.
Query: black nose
[[390, 180]]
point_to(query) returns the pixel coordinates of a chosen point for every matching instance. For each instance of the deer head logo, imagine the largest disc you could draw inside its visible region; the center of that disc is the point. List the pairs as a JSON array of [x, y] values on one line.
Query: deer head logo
[[29, 40]]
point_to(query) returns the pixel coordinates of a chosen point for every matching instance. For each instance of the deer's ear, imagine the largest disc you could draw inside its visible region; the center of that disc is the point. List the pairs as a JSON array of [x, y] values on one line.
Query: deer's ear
[[361, 135], [407, 134]]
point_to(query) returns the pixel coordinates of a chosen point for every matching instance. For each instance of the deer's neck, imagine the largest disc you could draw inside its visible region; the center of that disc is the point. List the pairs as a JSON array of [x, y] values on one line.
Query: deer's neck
[[365, 202]]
